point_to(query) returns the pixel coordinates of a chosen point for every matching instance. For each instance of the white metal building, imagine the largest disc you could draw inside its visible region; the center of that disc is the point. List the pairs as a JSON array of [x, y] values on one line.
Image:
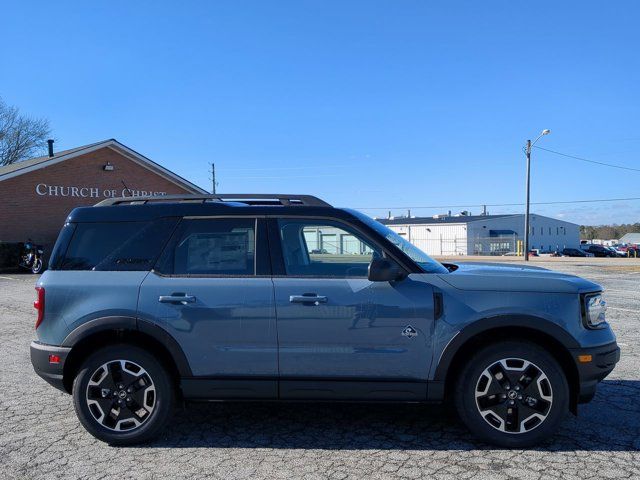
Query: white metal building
[[484, 234], [630, 238]]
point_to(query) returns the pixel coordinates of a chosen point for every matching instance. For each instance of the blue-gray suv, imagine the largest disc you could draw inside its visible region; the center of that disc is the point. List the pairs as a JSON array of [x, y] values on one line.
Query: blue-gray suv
[[152, 301]]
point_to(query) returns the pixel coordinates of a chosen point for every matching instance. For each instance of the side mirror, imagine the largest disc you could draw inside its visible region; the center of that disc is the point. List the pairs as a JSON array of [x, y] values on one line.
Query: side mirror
[[385, 270]]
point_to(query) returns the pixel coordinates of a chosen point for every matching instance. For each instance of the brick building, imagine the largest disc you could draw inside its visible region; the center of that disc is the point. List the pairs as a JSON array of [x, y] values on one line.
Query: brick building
[[36, 195]]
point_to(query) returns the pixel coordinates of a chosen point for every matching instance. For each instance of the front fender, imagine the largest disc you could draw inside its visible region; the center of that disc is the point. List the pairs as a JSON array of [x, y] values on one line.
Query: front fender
[[495, 322]]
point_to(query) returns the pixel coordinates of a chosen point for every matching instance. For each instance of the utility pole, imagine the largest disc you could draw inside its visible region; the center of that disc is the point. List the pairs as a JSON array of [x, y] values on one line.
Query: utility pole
[[213, 178], [526, 212]]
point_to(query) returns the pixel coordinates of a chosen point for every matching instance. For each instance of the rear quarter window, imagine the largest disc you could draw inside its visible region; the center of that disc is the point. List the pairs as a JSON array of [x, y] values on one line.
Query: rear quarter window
[[115, 246]]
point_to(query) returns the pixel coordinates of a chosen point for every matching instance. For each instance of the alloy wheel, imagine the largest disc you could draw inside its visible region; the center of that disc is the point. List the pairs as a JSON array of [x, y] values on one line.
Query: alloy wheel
[[121, 395], [513, 395]]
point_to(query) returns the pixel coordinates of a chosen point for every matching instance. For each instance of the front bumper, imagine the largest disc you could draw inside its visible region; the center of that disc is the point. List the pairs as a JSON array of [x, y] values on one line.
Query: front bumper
[[603, 360], [51, 372]]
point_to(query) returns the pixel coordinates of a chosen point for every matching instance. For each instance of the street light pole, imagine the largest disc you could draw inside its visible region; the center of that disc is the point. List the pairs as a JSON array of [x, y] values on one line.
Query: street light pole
[[526, 212]]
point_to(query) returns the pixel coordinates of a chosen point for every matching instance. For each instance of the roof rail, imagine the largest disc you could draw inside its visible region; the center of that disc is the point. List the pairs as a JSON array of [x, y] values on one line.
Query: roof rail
[[247, 198]]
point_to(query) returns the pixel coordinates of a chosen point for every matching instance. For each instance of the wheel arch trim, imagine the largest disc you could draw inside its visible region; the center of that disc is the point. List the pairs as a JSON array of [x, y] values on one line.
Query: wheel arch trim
[[131, 324], [487, 324]]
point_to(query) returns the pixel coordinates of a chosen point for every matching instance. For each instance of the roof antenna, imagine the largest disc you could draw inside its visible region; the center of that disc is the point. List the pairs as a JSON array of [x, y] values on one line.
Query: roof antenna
[[125, 186]]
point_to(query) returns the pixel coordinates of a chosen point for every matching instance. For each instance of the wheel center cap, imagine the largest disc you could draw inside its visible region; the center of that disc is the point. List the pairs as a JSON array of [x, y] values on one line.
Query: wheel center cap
[[122, 394], [512, 394]]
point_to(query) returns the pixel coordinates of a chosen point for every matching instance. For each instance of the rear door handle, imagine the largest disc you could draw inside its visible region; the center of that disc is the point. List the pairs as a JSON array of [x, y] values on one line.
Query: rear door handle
[[308, 299], [183, 299]]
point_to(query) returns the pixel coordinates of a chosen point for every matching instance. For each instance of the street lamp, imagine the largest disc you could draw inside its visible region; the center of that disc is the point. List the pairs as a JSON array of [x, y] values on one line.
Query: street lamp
[[546, 131]]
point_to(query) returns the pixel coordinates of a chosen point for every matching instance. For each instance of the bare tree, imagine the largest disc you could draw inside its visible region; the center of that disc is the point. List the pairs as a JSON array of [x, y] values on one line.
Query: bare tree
[[21, 137]]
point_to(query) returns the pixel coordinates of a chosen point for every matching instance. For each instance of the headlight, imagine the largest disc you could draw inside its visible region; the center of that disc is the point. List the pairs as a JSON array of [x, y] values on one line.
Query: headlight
[[594, 310]]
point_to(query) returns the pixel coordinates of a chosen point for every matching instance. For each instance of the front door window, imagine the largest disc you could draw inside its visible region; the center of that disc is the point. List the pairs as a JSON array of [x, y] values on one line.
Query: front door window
[[324, 249]]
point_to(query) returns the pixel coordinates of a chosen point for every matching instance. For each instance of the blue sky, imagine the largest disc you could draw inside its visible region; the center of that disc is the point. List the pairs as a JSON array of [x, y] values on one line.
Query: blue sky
[[366, 104]]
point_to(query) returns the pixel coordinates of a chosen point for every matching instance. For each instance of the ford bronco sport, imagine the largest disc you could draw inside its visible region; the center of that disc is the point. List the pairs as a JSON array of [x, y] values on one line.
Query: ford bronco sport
[[152, 301]]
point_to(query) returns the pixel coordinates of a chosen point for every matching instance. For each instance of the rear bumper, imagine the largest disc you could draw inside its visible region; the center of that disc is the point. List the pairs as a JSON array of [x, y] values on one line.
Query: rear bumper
[[603, 360], [51, 372]]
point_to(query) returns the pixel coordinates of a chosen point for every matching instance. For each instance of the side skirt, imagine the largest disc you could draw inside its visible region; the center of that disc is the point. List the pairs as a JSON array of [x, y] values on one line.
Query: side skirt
[[308, 389]]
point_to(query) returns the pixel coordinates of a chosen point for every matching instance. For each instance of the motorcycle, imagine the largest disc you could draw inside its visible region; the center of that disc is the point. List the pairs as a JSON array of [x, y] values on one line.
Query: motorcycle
[[31, 258]]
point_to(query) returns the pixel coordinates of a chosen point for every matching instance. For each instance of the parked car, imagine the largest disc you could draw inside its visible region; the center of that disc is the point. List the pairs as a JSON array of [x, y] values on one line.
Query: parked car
[[631, 251], [599, 251], [148, 303], [616, 253], [575, 252]]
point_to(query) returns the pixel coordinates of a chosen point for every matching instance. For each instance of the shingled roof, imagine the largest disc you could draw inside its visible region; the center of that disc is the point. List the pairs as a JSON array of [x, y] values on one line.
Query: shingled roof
[[26, 166]]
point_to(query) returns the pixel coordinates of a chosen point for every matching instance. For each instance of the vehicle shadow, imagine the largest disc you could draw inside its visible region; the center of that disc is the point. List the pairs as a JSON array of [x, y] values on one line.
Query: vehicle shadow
[[611, 422]]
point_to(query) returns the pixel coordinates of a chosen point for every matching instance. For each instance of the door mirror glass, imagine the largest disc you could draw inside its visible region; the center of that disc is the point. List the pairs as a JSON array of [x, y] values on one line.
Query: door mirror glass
[[385, 270]]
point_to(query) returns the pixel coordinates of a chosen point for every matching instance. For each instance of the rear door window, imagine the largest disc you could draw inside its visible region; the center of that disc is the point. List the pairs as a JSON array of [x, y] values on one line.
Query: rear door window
[[213, 246]]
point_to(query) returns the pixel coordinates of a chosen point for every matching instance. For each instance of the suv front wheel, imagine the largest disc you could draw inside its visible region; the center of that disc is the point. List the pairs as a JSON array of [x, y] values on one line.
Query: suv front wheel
[[123, 395], [513, 394]]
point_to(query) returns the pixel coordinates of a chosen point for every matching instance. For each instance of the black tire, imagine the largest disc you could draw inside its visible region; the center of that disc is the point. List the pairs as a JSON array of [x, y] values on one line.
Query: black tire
[[152, 391], [37, 266], [537, 395]]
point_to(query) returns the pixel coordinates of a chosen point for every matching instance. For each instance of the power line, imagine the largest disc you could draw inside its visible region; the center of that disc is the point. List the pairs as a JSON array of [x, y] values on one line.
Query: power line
[[503, 204], [587, 160], [308, 167], [261, 177]]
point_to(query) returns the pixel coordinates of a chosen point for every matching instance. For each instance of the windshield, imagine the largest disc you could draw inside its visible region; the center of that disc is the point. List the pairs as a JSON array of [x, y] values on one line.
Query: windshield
[[428, 264]]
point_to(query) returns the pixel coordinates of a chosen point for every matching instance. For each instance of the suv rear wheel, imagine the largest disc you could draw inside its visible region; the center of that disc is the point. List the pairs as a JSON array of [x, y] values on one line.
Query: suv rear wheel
[[123, 395], [513, 394]]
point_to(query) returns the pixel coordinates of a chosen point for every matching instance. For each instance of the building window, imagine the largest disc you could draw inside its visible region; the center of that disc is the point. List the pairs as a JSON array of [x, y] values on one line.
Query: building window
[[549, 230], [557, 230], [541, 230], [533, 230], [499, 247]]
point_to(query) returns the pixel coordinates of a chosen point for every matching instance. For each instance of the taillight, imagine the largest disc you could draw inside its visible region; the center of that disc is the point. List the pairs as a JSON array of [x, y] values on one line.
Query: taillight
[[39, 305]]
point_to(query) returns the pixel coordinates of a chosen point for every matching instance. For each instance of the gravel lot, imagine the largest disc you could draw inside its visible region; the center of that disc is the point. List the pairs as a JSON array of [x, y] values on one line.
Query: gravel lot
[[41, 438]]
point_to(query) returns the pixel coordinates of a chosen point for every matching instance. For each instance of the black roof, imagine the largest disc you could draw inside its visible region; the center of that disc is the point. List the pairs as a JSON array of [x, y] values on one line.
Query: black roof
[[148, 208], [431, 220], [243, 198]]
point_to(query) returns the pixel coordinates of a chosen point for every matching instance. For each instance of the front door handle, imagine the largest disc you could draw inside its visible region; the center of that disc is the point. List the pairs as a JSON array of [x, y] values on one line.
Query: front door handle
[[183, 299], [308, 299]]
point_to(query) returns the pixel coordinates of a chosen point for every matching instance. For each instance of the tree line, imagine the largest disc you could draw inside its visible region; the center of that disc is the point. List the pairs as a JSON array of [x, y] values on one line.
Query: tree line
[[607, 232]]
